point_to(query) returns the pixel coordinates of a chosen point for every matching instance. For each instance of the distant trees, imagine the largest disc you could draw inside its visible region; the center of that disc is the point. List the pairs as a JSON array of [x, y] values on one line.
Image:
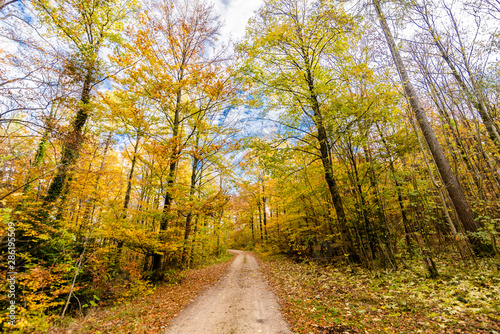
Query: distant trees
[[387, 187]]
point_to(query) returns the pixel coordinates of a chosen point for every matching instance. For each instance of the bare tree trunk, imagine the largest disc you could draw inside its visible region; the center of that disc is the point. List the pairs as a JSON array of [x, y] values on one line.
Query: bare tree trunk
[[450, 182], [476, 96], [78, 266]]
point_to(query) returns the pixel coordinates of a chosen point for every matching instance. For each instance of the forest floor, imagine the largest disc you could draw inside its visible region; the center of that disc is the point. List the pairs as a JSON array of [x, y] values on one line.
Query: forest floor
[[149, 313], [313, 298], [326, 299]]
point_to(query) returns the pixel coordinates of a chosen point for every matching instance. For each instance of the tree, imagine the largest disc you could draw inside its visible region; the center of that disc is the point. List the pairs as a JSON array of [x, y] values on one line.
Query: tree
[[86, 27], [466, 77], [450, 182], [286, 46], [168, 59]]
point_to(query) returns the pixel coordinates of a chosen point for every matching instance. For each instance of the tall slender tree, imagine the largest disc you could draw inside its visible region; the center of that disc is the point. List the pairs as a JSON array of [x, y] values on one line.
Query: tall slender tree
[[287, 44], [86, 27], [449, 180]]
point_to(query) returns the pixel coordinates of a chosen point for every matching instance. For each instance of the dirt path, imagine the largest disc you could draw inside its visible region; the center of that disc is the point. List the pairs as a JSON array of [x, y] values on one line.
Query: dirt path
[[240, 303]]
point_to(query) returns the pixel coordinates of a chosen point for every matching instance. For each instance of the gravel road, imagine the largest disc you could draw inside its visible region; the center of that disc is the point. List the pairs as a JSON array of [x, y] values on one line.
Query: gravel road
[[240, 303]]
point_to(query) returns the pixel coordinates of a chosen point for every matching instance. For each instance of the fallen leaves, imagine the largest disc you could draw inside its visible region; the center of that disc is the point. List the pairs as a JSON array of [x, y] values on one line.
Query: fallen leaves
[[146, 314], [326, 299]]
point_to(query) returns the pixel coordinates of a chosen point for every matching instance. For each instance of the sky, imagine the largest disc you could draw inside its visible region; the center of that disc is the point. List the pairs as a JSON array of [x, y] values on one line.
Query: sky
[[235, 15]]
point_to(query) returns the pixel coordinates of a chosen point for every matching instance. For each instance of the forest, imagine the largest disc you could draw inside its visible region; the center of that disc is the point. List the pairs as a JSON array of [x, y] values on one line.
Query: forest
[[138, 143]]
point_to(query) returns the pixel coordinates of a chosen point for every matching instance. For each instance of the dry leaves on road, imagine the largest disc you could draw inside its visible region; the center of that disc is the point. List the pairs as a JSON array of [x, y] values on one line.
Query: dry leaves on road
[[147, 314]]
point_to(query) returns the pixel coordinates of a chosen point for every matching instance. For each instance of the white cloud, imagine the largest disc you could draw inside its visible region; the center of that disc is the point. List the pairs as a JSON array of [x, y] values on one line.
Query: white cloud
[[235, 15]]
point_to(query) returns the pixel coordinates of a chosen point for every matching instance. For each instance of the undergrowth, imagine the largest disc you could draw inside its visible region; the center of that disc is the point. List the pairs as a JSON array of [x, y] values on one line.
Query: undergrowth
[[147, 309], [345, 299]]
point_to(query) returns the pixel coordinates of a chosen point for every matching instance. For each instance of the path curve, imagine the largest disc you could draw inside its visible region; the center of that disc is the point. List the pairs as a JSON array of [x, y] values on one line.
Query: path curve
[[240, 303]]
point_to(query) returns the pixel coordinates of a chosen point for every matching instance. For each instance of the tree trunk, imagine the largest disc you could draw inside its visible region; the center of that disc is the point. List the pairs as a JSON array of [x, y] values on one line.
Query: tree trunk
[[264, 213], [187, 227], [368, 228], [126, 201], [259, 207], [191, 257], [174, 159], [383, 227], [39, 156], [406, 223], [450, 182], [71, 147], [328, 169], [130, 176], [253, 229]]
